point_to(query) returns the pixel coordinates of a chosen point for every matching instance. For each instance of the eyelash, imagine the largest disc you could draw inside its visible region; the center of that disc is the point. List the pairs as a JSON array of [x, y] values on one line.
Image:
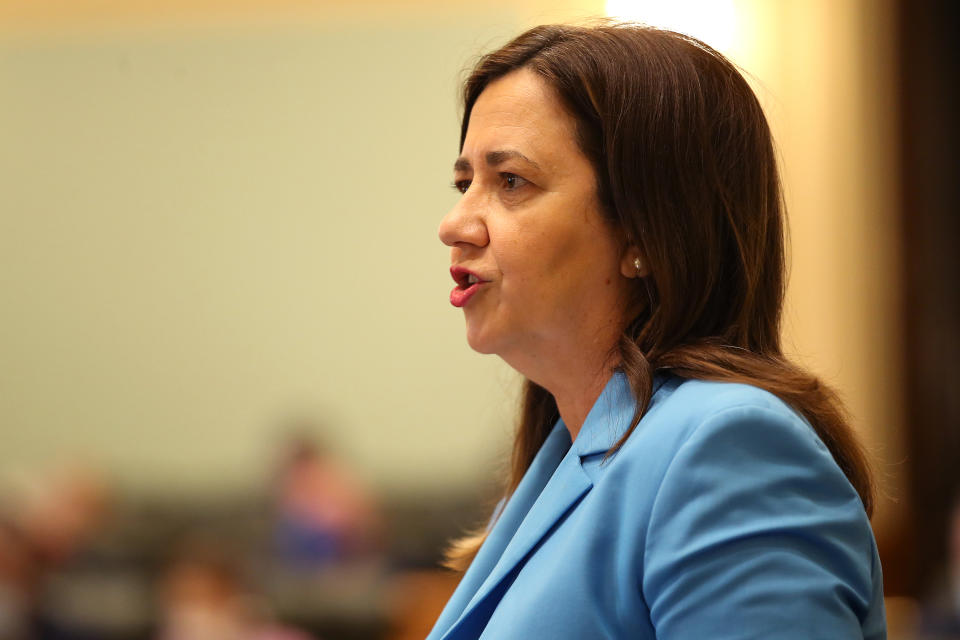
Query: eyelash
[[462, 185]]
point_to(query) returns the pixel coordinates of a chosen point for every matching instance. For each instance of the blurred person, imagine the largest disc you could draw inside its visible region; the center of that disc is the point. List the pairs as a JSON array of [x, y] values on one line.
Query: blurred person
[[619, 241], [203, 596], [324, 514], [44, 524], [61, 512]]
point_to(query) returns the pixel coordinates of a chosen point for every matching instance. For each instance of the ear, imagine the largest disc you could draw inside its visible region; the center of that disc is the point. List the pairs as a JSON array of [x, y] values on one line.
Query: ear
[[632, 265]]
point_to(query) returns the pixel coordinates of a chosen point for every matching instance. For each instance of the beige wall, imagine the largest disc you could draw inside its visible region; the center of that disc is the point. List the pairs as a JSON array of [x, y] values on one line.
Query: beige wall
[[204, 231], [216, 214]]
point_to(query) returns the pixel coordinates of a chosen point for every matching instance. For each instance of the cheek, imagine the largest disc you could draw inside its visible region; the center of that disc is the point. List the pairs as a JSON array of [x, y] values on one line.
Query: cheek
[[553, 259], [545, 281], [581, 262], [529, 263], [537, 243]]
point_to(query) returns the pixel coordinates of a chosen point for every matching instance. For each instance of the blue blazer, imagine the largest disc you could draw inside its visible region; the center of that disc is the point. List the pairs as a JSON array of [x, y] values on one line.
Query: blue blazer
[[723, 516]]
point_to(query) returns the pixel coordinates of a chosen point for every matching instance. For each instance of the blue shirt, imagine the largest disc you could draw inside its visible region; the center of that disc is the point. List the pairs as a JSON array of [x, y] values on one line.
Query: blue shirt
[[723, 516]]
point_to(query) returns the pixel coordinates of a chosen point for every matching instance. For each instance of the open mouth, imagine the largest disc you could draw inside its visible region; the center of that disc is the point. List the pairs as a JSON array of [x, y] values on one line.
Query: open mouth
[[468, 283], [464, 280]]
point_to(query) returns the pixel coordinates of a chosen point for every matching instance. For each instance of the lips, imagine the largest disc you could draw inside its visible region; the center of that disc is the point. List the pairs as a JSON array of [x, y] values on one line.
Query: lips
[[468, 283]]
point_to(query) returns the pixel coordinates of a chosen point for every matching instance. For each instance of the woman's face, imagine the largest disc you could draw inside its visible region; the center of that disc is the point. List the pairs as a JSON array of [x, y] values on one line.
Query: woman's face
[[538, 270]]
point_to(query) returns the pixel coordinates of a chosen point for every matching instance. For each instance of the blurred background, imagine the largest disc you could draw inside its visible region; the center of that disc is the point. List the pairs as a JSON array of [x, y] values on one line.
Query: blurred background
[[234, 400]]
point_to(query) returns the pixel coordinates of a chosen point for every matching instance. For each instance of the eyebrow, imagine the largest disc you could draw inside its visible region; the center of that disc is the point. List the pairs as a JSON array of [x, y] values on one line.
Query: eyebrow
[[493, 159]]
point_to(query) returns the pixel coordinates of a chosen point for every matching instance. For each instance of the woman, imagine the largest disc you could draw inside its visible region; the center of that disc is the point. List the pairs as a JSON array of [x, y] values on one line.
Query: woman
[[619, 242]]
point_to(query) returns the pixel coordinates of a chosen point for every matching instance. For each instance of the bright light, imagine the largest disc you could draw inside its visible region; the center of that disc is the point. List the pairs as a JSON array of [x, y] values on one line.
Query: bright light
[[712, 21]]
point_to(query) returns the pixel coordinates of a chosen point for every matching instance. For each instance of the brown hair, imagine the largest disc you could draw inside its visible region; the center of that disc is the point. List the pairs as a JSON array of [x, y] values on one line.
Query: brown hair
[[686, 171]]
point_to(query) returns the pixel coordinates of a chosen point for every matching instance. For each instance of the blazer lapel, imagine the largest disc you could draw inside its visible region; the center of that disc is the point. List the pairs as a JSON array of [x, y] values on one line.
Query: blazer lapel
[[563, 490], [504, 528]]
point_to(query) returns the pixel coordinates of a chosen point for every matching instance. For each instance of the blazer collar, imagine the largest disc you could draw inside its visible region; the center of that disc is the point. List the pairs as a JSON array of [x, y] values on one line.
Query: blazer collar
[[611, 415]]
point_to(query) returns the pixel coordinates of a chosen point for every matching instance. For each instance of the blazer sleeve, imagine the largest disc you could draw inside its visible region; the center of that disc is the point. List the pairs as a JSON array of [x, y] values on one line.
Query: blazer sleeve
[[756, 533]]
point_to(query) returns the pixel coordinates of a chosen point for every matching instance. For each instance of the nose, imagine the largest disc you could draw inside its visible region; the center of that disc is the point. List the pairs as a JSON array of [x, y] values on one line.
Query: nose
[[464, 224]]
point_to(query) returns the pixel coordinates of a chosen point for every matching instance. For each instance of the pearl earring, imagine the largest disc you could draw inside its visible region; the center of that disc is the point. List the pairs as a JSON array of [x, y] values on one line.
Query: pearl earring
[[636, 264]]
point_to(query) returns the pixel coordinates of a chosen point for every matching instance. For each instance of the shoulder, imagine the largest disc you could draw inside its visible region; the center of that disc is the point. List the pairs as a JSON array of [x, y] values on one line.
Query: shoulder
[[699, 400], [690, 413], [730, 441], [739, 435], [746, 493], [714, 450]]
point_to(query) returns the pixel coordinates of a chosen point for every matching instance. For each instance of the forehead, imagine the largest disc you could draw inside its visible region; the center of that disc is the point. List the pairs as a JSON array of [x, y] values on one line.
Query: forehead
[[520, 110]]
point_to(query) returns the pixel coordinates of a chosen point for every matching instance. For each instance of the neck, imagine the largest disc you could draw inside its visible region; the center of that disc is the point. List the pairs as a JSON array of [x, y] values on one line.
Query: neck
[[575, 379], [575, 403]]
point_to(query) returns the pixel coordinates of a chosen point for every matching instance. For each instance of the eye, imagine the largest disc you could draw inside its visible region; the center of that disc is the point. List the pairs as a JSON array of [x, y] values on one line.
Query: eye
[[461, 185], [512, 181]]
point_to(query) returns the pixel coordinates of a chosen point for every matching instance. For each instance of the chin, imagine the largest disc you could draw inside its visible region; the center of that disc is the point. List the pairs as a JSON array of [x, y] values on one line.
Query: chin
[[479, 340], [479, 345]]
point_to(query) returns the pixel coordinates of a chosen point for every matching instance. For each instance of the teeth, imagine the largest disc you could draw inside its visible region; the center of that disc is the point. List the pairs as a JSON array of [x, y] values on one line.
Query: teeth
[[472, 279]]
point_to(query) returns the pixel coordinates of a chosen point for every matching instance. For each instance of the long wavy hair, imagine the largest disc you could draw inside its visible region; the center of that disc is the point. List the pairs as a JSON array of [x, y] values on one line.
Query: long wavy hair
[[686, 171]]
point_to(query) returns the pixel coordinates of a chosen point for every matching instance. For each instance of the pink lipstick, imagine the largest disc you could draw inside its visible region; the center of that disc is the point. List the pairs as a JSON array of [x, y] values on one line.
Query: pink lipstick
[[468, 283]]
